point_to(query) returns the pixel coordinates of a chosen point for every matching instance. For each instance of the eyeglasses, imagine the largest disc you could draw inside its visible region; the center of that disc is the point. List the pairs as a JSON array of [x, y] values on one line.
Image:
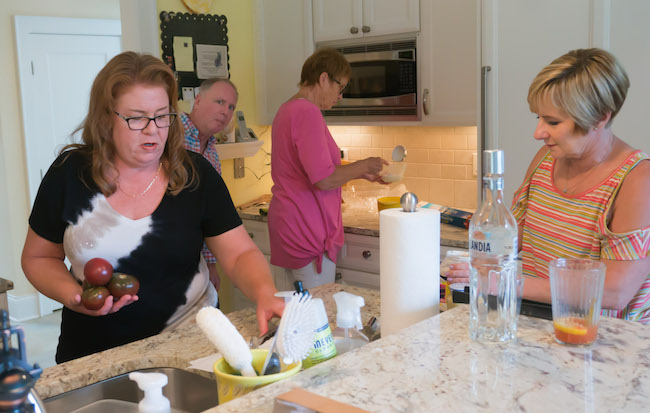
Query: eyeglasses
[[141, 122], [341, 85]]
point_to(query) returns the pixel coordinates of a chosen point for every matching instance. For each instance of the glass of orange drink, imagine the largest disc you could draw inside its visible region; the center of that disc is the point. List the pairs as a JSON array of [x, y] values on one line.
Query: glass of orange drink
[[576, 295]]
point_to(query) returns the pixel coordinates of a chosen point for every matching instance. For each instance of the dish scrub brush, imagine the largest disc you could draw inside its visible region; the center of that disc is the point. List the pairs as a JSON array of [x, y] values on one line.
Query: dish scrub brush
[[295, 335], [228, 341]]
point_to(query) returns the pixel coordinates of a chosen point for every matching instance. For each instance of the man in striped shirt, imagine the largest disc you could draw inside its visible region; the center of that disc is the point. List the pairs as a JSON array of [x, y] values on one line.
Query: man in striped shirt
[[211, 114]]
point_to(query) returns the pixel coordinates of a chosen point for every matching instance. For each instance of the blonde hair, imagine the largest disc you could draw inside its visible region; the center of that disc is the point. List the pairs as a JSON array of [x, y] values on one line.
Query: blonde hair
[[587, 84], [120, 73], [326, 60]]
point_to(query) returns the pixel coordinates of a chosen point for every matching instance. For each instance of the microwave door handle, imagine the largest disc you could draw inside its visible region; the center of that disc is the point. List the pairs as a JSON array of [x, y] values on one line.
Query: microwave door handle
[[425, 101]]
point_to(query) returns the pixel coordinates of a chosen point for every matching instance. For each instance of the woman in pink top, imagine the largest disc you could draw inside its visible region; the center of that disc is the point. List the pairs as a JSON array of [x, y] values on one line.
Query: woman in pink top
[[586, 191], [305, 224]]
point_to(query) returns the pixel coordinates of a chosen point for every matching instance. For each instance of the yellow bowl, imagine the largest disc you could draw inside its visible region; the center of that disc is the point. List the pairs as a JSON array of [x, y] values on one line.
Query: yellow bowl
[[387, 202], [231, 385]]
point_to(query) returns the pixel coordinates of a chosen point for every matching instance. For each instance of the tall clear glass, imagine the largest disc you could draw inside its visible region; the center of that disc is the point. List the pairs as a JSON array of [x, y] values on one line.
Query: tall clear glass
[[576, 295], [495, 288]]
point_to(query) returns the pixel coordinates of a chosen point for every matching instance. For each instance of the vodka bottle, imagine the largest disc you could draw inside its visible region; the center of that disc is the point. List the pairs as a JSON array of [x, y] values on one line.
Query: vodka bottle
[[495, 290]]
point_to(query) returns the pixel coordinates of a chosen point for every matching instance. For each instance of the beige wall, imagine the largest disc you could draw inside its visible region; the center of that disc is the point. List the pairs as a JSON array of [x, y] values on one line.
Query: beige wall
[[14, 211], [438, 161]]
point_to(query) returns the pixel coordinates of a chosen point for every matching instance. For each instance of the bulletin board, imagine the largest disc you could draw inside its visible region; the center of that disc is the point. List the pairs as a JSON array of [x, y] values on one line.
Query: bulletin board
[[195, 46]]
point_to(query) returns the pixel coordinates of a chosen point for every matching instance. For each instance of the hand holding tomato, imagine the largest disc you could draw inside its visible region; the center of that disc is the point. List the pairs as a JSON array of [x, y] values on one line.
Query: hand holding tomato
[[101, 288]]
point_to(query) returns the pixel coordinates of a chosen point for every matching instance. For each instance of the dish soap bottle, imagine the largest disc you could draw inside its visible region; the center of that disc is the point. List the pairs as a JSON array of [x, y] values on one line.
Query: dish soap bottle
[[348, 322], [324, 348]]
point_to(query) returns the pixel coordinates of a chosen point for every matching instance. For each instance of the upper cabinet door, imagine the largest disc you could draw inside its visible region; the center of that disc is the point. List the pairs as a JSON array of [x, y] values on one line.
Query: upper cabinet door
[[448, 55], [337, 19], [349, 19], [390, 16]]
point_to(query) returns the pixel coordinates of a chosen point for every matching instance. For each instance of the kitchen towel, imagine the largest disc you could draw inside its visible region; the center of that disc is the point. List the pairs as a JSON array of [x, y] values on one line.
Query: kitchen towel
[[409, 267]]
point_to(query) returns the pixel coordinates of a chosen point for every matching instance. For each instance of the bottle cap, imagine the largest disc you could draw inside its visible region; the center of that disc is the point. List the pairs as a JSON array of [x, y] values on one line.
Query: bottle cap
[[493, 162], [348, 310]]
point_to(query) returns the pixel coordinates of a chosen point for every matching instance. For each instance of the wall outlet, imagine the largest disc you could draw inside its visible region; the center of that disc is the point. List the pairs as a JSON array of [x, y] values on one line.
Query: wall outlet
[[474, 164], [345, 154]]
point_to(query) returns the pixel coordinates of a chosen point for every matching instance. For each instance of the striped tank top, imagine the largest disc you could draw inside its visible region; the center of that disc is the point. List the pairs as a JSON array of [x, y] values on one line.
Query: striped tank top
[[557, 225]]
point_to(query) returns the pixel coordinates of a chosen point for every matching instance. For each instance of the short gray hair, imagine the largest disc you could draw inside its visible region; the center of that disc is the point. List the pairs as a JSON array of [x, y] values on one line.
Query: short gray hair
[[207, 84]]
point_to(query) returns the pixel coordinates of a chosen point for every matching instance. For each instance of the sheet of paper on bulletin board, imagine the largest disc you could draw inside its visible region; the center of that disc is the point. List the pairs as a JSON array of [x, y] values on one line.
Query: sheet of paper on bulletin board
[[195, 46], [211, 61]]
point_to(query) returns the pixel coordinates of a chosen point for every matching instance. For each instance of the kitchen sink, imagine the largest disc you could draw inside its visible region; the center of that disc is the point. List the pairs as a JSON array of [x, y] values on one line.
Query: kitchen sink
[[187, 392]]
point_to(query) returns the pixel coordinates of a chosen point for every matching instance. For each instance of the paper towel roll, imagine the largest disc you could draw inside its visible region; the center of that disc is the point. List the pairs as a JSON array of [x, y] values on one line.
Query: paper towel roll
[[409, 267]]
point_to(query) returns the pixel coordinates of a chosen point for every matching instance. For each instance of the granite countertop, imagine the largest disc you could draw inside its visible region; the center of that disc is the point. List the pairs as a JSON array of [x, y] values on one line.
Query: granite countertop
[[434, 366], [175, 348], [450, 236], [430, 366]]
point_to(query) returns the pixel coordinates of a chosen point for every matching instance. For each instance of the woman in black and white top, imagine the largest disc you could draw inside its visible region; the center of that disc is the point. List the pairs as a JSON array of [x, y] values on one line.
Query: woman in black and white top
[[131, 194]]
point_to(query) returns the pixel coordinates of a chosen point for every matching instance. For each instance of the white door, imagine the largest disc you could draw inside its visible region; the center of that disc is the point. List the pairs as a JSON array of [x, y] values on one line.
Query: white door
[[58, 60]]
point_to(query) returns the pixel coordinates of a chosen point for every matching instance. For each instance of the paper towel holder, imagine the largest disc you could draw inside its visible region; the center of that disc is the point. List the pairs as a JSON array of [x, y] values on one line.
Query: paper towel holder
[[409, 202]]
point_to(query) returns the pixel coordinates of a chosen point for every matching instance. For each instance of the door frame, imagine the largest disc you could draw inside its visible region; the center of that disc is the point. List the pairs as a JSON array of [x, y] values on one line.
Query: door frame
[[39, 305]]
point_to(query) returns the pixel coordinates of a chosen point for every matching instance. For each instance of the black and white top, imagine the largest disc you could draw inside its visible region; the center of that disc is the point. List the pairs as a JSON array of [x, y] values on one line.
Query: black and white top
[[161, 250]]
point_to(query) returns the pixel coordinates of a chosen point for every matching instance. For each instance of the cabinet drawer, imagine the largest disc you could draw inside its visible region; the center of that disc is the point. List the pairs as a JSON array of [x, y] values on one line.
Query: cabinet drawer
[[356, 278], [360, 253], [259, 233]]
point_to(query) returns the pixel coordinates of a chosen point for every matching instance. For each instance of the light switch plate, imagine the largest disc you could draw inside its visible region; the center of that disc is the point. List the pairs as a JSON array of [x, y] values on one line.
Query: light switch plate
[[474, 164]]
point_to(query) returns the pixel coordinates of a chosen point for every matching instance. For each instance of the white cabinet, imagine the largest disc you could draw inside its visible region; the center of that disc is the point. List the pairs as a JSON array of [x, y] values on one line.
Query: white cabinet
[[350, 19], [448, 55], [283, 35]]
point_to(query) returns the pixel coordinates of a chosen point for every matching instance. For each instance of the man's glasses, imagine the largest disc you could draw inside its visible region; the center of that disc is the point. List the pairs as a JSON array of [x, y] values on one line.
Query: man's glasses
[[341, 85], [141, 122]]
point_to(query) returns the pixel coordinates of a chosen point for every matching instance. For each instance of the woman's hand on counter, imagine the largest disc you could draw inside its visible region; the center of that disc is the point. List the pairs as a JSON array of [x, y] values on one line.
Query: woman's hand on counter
[[458, 273]]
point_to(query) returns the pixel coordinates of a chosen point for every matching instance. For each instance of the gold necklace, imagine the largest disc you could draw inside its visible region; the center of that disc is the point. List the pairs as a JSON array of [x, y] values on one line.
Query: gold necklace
[[145, 191]]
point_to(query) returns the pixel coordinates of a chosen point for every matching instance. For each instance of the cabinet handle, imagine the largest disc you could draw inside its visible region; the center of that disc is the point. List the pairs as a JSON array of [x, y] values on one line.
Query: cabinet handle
[[250, 234], [354, 30], [366, 254], [365, 29], [425, 101], [338, 277]]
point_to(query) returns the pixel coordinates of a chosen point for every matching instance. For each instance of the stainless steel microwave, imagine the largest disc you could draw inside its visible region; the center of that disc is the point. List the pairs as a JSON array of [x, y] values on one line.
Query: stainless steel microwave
[[383, 83]]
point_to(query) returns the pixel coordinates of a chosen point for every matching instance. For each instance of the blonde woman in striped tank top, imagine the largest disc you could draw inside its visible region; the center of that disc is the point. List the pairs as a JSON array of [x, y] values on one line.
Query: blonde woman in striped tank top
[[586, 193]]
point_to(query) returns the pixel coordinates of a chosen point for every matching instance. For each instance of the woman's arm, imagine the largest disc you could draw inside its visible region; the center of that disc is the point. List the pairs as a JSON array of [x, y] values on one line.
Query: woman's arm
[[630, 211], [43, 265], [368, 169], [246, 266]]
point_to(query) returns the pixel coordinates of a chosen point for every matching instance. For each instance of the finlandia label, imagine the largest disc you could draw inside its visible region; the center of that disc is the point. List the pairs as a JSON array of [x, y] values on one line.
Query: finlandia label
[[493, 244]]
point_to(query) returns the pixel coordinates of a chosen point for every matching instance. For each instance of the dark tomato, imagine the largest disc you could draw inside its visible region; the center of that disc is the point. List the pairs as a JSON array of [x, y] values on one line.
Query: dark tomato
[[122, 284], [98, 271], [93, 298]]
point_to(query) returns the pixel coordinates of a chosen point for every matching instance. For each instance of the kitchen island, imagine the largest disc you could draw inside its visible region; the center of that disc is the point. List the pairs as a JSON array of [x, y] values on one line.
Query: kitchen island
[[429, 366], [433, 366]]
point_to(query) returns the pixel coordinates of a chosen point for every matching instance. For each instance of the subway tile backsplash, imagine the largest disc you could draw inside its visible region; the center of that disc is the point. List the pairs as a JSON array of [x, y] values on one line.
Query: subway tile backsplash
[[439, 159]]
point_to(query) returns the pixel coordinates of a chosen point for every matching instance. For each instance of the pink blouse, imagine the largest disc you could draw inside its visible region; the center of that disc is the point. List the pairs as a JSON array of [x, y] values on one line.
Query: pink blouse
[[304, 221]]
